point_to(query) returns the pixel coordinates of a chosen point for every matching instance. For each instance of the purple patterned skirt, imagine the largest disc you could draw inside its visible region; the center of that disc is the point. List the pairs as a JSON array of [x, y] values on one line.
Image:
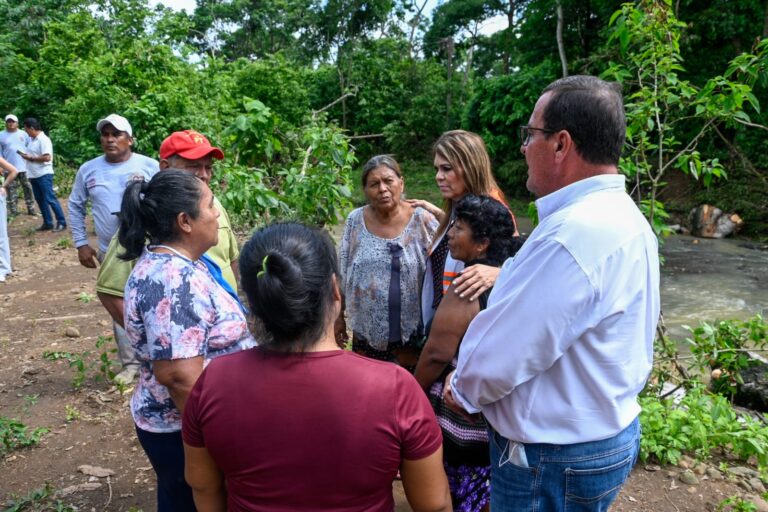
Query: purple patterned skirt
[[465, 454]]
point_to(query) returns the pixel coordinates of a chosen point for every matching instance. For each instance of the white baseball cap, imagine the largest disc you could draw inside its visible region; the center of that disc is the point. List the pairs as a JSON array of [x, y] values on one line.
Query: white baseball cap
[[12, 118], [118, 122]]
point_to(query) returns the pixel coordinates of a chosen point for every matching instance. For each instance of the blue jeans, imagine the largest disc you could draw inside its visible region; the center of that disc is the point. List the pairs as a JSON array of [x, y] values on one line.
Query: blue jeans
[[576, 477], [42, 188], [165, 452]]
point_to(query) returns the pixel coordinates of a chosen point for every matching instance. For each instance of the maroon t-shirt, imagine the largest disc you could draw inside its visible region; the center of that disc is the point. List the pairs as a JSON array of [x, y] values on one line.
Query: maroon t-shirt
[[319, 431]]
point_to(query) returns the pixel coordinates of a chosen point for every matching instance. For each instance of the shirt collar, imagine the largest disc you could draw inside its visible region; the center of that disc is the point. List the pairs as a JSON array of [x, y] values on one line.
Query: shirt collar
[[558, 199]]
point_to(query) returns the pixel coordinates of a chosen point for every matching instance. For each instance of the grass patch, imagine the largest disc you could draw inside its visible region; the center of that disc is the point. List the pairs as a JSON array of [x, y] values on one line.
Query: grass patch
[[15, 435]]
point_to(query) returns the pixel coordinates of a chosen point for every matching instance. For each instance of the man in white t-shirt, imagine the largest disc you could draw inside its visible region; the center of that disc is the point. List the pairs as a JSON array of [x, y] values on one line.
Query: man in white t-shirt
[[39, 159], [13, 141]]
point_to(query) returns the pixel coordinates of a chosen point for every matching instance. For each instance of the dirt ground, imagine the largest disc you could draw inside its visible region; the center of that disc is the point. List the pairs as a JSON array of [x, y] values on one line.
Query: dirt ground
[[49, 305]]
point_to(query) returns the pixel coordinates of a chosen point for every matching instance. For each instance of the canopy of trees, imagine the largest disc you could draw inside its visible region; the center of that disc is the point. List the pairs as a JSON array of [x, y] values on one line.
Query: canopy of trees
[[290, 87]]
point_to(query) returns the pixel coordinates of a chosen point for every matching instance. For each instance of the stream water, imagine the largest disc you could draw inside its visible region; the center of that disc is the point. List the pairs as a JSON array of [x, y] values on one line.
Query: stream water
[[706, 279]]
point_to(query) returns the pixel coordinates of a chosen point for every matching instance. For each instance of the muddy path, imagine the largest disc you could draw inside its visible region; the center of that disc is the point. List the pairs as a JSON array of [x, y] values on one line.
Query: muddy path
[[52, 377]]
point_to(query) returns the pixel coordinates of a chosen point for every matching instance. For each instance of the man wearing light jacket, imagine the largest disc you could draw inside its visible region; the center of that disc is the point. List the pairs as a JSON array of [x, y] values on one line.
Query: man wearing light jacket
[[102, 181]]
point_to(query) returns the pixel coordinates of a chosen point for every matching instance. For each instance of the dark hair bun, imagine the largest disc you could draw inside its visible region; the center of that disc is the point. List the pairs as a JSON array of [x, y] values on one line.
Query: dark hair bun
[[286, 271]]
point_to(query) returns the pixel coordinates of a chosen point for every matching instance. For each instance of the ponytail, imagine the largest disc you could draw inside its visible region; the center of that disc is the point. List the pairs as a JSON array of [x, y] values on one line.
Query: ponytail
[[149, 209]]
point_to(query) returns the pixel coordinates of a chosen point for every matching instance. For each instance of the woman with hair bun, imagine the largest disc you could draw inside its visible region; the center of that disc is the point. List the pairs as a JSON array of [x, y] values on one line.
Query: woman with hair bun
[[299, 424], [177, 316]]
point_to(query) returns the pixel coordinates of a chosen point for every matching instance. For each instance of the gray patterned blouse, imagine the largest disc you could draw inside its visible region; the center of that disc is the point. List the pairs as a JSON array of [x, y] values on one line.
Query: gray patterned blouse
[[366, 267]]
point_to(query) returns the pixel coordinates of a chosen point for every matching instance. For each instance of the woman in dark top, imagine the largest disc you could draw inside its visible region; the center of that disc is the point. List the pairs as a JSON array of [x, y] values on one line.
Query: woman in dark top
[[482, 232]]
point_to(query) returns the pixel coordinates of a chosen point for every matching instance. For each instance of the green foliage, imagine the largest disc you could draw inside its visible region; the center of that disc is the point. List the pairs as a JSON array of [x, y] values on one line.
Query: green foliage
[[284, 173], [275, 82], [736, 504], [702, 420], [63, 243], [41, 499], [699, 424], [15, 435], [500, 105], [723, 346], [87, 364], [85, 297], [71, 413], [667, 116]]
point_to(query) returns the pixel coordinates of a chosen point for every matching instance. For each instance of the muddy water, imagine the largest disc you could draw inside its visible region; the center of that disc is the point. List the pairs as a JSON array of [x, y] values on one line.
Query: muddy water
[[704, 279]]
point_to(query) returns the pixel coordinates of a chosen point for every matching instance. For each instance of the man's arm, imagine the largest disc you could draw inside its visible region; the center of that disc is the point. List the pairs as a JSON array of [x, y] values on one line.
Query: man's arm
[[110, 283], [45, 157], [77, 210], [114, 306], [534, 316]]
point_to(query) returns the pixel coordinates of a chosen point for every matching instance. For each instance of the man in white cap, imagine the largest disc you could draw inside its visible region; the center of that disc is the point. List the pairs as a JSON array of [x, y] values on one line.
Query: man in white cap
[[13, 142], [102, 181]]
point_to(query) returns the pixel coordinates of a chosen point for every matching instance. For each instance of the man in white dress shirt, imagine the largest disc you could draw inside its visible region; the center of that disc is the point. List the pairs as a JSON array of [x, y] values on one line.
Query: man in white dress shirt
[[556, 361]]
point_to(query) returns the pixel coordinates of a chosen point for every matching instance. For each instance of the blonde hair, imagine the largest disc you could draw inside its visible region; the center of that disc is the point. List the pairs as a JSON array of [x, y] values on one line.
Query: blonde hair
[[466, 151]]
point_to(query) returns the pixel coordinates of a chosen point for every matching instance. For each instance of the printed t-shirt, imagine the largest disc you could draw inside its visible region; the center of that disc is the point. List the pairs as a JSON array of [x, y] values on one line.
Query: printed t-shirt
[[175, 310]]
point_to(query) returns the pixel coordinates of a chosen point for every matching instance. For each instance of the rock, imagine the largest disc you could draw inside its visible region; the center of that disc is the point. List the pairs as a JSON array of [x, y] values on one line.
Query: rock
[[688, 478], [700, 469], [88, 486], [671, 474], [743, 472], [72, 332], [708, 221], [714, 474], [757, 485], [652, 468], [753, 393], [744, 485], [95, 471], [760, 504]]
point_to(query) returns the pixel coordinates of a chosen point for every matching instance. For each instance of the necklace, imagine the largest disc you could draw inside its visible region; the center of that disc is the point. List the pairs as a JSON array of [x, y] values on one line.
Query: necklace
[[167, 247]]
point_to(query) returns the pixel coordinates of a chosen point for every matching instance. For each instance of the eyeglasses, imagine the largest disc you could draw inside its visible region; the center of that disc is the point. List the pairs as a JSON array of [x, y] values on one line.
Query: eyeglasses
[[525, 133]]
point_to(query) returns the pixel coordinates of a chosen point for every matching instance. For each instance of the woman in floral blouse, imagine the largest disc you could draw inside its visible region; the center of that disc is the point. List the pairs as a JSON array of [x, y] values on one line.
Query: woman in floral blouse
[[176, 314], [382, 261]]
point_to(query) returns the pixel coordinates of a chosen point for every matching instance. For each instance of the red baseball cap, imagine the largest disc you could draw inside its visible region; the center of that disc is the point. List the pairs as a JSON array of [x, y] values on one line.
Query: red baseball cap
[[189, 144]]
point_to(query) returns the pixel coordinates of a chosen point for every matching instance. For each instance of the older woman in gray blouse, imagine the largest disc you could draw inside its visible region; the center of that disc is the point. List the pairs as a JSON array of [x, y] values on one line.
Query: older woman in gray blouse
[[382, 262]]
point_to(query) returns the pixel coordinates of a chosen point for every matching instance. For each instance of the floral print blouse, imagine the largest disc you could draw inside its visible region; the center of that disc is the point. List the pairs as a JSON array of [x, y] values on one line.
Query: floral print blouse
[[175, 310], [366, 264]]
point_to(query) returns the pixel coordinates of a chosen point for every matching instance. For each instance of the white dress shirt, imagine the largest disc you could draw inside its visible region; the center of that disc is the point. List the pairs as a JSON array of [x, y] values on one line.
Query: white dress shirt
[[566, 342]]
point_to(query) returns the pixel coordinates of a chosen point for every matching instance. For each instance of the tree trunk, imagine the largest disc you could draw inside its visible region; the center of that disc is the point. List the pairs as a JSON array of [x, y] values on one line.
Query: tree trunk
[[342, 86], [414, 25], [560, 45], [765, 21], [508, 36], [449, 47]]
